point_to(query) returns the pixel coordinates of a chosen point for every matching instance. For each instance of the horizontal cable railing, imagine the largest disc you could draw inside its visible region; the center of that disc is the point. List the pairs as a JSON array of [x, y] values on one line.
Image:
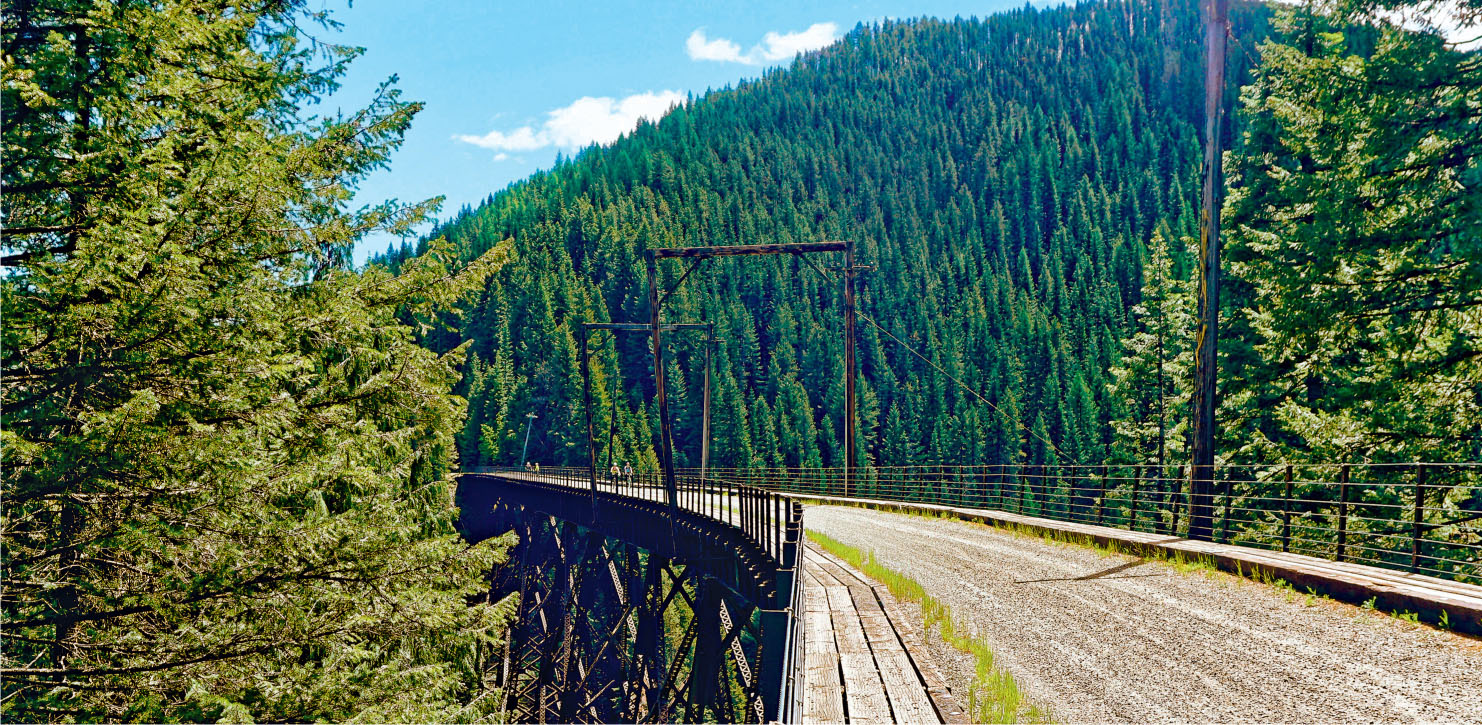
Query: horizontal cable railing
[[1418, 517], [762, 514]]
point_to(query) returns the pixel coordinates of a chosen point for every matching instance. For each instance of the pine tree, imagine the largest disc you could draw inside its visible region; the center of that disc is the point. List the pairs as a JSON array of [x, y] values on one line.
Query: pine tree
[[224, 451], [1151, 382], [1353, 215]]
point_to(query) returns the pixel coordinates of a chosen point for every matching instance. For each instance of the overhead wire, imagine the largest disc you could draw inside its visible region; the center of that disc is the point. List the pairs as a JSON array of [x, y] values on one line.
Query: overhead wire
[[961, 384], [1054, 448]]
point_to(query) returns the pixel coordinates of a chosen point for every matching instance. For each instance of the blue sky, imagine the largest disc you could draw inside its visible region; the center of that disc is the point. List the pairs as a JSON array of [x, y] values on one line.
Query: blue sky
[[508, 85]]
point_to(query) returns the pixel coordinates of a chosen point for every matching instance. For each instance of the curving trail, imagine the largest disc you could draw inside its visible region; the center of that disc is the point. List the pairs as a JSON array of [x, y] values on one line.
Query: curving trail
[[1112, 638]]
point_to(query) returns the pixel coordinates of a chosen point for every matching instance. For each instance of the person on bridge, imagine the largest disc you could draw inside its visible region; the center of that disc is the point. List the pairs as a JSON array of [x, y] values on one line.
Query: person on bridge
[[628, 472], [613, 473]]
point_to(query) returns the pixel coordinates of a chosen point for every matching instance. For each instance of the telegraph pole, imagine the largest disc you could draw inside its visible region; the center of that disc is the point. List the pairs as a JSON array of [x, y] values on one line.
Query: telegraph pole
[[705, 406], [1201, 469], [850, 270], [848, 363], [586, 390], [666, 432]]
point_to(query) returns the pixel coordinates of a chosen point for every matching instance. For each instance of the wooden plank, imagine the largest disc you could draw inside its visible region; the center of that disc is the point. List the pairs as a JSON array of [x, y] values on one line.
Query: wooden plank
[[947, 707], [864, 691], [823, 698], [908, 699], [877, 627], [888, 630], [825, 578], [819, 629], [847, 630]]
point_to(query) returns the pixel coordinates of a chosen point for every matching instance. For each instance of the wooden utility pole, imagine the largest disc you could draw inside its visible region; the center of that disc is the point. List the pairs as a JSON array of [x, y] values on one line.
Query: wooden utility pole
[[848, 364], [705, 406], [850, 270], [1201, 470], [666, 432], [586, 391]]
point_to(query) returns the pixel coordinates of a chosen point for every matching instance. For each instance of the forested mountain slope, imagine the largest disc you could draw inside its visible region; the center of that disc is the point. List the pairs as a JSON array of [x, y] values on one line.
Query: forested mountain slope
[[1010, 179]]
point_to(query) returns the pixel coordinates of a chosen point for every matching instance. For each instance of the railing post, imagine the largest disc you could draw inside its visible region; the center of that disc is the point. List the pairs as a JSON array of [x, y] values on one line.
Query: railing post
[[1419, 517], [1136, 483], [1225, 524], [773, 530], [1286, 512], [1019, 474], [773, 644], [1178, 490], [1342, 513], [794, 533], [1101, 498]]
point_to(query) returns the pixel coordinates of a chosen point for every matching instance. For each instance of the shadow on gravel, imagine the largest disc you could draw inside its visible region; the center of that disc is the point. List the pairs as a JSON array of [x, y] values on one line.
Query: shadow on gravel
[[1098, 575]]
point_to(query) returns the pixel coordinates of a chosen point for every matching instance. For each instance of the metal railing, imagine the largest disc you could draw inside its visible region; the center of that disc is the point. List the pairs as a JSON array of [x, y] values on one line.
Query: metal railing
[[769, 520], [1418, 517], [763, 514]]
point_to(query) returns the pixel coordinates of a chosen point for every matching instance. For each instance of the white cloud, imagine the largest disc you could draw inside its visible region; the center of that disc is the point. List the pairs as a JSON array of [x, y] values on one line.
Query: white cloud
[[719, 49], [774, 47], [586, 121], [523, 138], [783, 46]]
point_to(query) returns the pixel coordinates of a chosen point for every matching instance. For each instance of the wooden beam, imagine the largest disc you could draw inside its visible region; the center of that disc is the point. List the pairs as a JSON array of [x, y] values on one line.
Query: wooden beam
[[849, 368], [666, 435], [1206, 357], [747, 249], [644, 326]]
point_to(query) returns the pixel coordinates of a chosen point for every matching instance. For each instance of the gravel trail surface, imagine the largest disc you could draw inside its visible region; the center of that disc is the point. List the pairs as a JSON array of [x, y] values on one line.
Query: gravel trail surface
[[1113, 638]]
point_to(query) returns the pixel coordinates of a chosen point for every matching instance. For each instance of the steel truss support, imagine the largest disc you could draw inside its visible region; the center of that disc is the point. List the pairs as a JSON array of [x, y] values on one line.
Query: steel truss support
[[609, 632]]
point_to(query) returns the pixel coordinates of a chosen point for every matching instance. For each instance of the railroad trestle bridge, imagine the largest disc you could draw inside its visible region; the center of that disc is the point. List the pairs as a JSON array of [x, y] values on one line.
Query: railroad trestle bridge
[[681, 594]]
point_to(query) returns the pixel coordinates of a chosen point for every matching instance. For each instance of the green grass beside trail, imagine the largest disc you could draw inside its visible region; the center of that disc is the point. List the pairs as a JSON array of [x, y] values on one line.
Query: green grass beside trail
[[993, 696]]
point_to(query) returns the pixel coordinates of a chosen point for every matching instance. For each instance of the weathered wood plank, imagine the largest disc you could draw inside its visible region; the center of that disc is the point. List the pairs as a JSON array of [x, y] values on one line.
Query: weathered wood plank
[[947, 707], [864, 691], [908, 699], [847, 630], [823, 700], [888, 629]]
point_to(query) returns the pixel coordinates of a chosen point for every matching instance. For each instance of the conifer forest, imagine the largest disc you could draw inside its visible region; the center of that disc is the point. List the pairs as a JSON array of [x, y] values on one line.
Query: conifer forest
[[231, 454]]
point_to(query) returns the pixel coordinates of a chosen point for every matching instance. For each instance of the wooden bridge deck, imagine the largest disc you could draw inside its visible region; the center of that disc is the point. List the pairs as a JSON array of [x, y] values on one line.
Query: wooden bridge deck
[[864, 662]]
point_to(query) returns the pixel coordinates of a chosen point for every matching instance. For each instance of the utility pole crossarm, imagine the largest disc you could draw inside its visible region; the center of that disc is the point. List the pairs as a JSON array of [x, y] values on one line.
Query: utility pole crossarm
[[746, 249], [644, 326]]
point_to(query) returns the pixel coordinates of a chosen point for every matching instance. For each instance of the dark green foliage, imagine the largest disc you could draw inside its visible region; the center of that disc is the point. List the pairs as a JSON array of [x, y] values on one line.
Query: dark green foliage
[[1004, 177], [1354, 215], [224, 450]]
